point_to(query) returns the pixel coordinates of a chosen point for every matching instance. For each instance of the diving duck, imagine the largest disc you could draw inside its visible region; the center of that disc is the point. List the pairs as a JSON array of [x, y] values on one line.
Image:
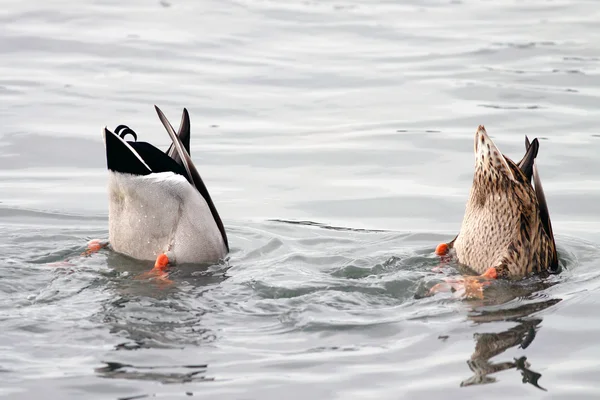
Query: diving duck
[[159, 207], [506, 230]]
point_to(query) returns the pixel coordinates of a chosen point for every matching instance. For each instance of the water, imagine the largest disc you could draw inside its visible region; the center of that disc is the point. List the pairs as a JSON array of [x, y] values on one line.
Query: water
[[336, 140]]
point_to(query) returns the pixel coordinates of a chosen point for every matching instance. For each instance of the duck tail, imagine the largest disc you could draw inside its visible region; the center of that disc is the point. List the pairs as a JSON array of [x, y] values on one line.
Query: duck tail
[[527, 162], [541, 198]]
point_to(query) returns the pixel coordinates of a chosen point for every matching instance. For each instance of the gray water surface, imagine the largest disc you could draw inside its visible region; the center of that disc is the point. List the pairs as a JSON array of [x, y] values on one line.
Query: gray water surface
[[336, 139]]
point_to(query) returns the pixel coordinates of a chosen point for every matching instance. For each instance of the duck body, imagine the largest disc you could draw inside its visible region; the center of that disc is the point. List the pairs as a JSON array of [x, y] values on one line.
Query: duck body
[[158, 203], [161, 213], [506, 225]]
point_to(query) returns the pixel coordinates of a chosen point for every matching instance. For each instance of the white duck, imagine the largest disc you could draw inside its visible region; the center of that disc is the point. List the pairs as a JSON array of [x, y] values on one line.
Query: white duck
[[159, 208]]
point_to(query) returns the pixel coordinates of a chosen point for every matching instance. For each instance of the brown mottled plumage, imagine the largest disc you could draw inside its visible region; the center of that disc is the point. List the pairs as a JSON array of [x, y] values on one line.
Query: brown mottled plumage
[[506, 223]]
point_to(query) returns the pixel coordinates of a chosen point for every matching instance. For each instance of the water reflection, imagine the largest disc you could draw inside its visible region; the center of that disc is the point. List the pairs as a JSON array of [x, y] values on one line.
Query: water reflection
[[153, 316], [162, 374], [489, 345]]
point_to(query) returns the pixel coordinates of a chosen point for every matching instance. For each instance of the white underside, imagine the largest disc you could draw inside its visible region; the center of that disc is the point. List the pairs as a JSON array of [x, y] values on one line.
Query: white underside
[[161, 213]]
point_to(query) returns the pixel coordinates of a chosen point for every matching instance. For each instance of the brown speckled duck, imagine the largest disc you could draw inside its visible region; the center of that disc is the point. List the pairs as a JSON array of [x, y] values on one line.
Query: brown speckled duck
[[506, 230]]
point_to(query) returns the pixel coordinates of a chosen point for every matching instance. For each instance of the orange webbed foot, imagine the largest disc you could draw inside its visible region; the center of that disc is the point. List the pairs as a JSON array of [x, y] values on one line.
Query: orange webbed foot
[[94, 246], [468, 287], [160, 270], [491, 273], [474, 284], [162, 262], [442, 249]]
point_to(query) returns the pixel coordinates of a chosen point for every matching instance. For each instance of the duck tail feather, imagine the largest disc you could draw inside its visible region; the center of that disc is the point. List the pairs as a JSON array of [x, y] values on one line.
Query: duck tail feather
[[192, 173], [184, 136], [527, 162]]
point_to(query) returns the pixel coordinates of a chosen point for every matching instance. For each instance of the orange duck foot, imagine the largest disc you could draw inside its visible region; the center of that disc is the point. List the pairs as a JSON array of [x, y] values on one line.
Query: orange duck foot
[[94, 246], [491, 273], [468, 287], [442, 249], [160, 270], [162, 262]]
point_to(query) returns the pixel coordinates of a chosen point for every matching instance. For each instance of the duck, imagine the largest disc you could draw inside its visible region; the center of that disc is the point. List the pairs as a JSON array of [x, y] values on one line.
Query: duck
[[159, 207], [506, 230]]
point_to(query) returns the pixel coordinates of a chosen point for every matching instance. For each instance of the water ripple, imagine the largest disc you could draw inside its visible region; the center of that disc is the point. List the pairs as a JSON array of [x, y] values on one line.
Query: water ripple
[[336, 139]]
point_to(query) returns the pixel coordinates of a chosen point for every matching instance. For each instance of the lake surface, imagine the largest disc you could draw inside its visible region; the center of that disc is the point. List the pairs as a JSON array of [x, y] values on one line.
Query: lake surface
[[336, 139]]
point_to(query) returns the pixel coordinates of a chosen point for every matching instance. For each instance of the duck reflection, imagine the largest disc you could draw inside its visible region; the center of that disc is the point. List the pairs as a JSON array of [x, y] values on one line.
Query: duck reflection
[[489, 345], [159, 313], [155, 316], [165, 375]]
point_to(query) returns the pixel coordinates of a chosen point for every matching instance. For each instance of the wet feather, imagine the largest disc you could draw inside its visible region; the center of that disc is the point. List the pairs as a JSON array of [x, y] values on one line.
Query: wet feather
[[506, 223]]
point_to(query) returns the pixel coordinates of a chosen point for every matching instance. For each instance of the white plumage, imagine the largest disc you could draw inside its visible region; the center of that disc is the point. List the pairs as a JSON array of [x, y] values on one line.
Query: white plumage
[[161, 213], [158, 203]]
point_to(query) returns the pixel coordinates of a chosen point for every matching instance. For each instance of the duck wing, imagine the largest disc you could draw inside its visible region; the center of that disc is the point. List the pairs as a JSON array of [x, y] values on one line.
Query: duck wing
[[192, 174], [184, 136], [541, 198]]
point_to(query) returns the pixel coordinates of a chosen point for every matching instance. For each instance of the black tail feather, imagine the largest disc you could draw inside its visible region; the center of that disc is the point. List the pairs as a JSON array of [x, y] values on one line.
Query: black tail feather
[[528, 160], [184, 136], [192, 173]]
